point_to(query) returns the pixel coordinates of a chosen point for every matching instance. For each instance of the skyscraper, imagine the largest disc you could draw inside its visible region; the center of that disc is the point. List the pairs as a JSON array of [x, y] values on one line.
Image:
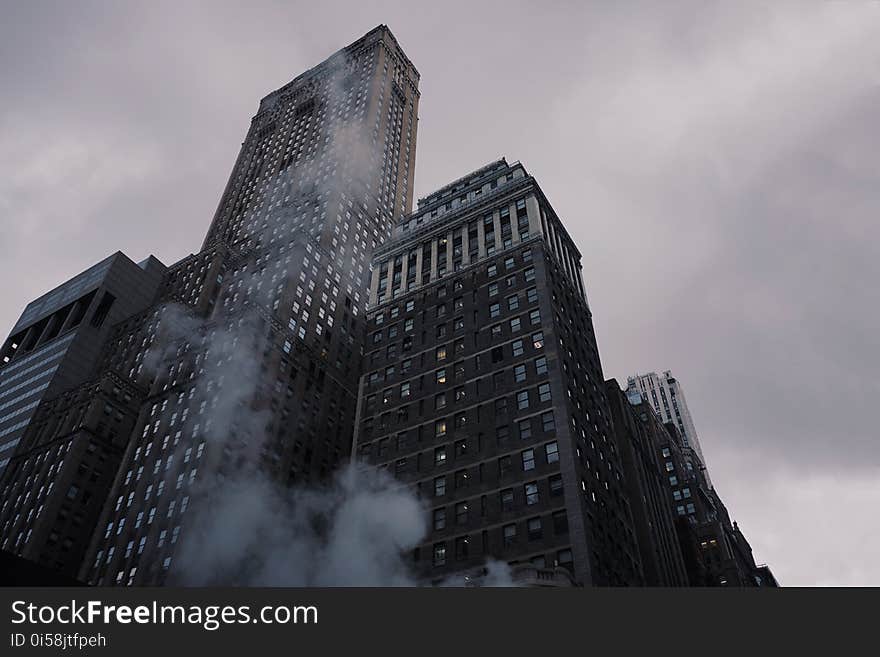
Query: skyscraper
[[64, 422], [666, 396], [483, 388], [252, 357], [639, 437]]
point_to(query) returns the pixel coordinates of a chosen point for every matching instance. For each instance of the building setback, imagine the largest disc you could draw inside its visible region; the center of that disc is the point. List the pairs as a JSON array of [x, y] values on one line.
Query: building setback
[[483, 387]]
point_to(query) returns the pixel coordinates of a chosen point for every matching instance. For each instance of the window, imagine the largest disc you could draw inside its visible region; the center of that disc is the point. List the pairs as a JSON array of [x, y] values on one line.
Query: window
[[440, 400], [544, 392], [525, 429], [528, 460], [522, 399], [519, 373], [404, 390], [461, 447], [504, 466], [564, 558], [461, 513], [440, 456], [461, 547], [530, 274], [502, 433], [518, 349], [496, 331], [669, 466], [495, 310], [460, 420], [461, 479], [440, 487], [560, 523], [497, 354], [513, 302], [531, 490], [676, 495], [509, 263], [538, 340], [439, 519], [400, 465], [515, 325], [441, 376], [555, 485], [439, 554], [535, 317], [501, 406], [690, 508], [493, 289], [548, 421], [492, 270], [440, 430], [535, 529], [686, 492], [673, 480], [680, 509], [532, 294], [666, 453], [509, 533], [507, 499], [541, 365], [552, 452]]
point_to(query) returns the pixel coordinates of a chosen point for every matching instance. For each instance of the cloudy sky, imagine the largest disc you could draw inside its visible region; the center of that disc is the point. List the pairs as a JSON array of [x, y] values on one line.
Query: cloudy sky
[[717, 165]]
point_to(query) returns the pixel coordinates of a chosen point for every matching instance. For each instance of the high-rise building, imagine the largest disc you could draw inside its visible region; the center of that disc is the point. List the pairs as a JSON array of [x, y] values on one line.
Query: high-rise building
[[64, 422], [666, 396], [638, 434], [714, 550], [483, 388], [253, 356]]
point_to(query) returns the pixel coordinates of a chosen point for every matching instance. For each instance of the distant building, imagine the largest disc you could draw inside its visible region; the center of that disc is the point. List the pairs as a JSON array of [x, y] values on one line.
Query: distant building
[[666, 396], [638, 434]]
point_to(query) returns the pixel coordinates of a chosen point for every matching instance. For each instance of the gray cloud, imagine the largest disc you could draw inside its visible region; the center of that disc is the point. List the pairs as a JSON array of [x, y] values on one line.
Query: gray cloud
[[716, 164]]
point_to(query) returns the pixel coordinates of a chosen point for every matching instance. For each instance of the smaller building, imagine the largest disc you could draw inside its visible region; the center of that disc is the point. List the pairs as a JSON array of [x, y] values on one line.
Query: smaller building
[[65, 426]]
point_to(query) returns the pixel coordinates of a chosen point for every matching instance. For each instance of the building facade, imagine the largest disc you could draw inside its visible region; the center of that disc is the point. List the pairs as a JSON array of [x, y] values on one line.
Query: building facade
[[65, 421], [648, 490], [483, 388]]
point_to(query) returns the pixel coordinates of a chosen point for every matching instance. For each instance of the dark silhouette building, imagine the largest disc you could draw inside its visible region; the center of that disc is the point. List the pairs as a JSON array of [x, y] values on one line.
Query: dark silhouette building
[[714, 550], [648, 490], [483, 387], [65, 420]]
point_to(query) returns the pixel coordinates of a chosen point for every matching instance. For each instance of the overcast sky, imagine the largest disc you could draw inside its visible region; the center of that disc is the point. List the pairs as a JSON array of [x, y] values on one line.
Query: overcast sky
[[718, 166]]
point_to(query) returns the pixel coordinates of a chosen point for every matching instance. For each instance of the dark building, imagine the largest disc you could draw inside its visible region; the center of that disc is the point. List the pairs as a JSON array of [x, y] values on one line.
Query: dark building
[[252, 357], [65, 422], [483, 388], [714, 550], [647, 487]]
